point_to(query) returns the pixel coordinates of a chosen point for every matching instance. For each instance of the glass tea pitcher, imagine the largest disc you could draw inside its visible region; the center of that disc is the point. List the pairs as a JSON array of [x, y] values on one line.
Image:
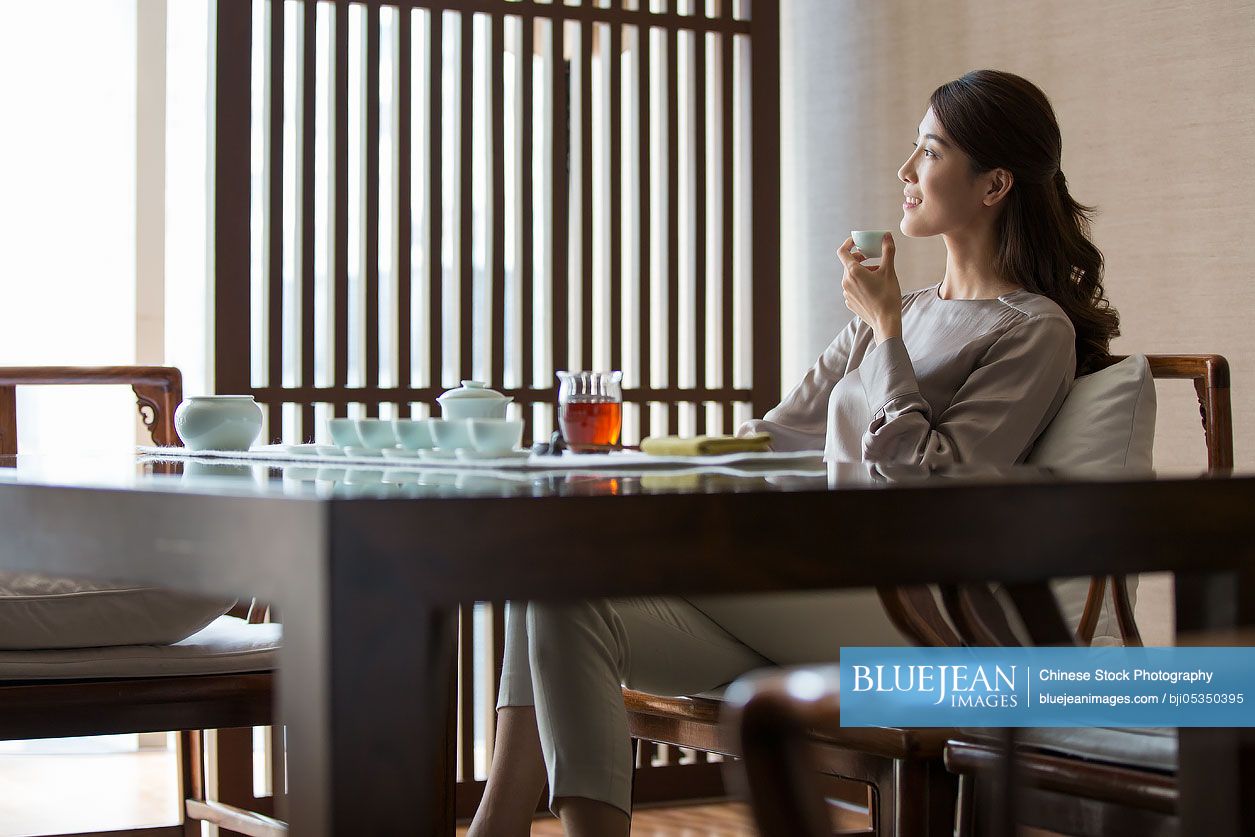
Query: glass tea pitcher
[[590, 410]]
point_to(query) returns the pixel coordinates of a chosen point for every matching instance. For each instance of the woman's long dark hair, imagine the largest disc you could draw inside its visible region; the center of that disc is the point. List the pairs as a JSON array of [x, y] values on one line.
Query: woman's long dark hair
[[1004, 121]]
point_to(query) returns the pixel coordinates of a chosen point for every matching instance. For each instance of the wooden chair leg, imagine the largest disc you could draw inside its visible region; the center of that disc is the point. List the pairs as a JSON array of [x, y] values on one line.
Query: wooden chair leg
[[1129, 633], [235, 768], [278, 770], [943, 797], [913, 797], [885, 802], [965, 807], [191, 757]]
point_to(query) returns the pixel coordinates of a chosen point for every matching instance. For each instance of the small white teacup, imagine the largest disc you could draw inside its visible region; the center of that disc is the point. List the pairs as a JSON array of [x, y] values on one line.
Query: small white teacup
[[494, 435], [414, 434], [868, 241], [451, 434], [344, 432], [376, 433]]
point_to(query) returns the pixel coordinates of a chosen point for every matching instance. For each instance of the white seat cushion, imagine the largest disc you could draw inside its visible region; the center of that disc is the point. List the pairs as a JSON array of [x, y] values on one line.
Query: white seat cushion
[[226, 646], [43, 612], [1154, 748], [1107, 423]]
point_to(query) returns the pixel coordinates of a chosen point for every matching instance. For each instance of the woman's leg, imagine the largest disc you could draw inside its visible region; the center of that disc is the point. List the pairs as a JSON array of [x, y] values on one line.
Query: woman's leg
[[580, 655], [515, 779], [516, 776]]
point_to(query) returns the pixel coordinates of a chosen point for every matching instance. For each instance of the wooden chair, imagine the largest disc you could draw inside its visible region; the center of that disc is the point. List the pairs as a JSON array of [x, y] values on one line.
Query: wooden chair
[[910, 792], [1210, 374], [1092, 793], [778, 724], [1106, 782], [108, 705]]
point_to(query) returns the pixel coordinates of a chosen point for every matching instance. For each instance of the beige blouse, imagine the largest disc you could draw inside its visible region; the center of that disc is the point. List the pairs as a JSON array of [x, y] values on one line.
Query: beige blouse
[[970, 380]]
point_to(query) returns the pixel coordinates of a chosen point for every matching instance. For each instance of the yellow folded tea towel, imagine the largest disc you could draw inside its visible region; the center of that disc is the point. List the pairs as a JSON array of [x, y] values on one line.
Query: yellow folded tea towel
[[705, 445]]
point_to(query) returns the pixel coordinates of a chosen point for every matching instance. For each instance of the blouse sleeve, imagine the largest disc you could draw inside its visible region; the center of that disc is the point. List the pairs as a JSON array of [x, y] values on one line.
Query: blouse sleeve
[[995, 416], [799, 421]]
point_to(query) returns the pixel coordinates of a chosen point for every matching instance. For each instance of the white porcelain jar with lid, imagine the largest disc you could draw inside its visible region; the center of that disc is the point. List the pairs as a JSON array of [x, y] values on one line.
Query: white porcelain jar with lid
[[473, 400]]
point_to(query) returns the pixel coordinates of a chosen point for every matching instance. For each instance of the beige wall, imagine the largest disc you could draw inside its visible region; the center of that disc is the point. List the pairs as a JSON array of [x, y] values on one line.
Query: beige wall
[[1156, 102]]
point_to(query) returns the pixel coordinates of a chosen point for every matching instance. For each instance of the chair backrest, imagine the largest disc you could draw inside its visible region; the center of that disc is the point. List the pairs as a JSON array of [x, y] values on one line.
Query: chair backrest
[[1210, 374], [158, 391], [976, 613]]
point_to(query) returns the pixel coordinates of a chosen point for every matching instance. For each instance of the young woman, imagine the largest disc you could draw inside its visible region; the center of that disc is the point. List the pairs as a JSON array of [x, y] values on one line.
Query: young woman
[[971, 369]]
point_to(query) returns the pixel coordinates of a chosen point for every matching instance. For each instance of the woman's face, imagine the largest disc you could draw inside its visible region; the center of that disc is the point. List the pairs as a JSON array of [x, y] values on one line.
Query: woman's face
[[941, 194]]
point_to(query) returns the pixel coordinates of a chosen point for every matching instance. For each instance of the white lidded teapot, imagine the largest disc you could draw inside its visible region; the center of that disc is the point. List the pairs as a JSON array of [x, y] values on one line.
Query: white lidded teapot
[[473, 400]]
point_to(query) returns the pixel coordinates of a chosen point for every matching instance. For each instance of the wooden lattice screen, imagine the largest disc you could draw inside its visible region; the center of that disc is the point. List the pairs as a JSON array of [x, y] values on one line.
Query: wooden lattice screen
[[375, 242], [408, 194]]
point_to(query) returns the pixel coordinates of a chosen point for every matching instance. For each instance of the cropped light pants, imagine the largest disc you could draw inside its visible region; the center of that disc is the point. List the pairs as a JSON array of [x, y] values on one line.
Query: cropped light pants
[[571, 660]]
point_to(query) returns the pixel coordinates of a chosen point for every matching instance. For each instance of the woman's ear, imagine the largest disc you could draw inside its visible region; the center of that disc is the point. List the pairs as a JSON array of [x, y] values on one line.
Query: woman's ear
[[1000, 182]]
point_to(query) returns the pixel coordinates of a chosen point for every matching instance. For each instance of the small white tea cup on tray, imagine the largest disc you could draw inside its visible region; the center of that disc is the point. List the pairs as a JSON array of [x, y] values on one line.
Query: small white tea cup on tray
[[495, 435], [451, 434], [414, 434], [376, 433], [344, 433]]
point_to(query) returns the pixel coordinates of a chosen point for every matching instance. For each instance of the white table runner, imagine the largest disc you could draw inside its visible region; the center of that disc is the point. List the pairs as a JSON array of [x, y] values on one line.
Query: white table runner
[[808, 462]]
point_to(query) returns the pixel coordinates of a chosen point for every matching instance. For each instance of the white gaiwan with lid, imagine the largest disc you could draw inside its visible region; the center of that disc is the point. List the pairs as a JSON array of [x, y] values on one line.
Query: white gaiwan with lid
[[473, 400]]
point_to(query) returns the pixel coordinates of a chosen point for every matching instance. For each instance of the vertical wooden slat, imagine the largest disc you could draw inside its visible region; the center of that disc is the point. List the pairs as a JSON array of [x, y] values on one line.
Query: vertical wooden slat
[[465, 228], [526, 269], [615, 56], [728, 238], [405, 223], [498, 642], [435, 188], [645, 163], [372, 201], [278, 768], [497, 152], [560, 286], [192, 770], [699, 211], [673, 224], [234, 767], [274, 209], [8, 421], [587, 321], [232, 200], [309, 87], [765, 201], [497, 621], [466, 704], [341, 130]]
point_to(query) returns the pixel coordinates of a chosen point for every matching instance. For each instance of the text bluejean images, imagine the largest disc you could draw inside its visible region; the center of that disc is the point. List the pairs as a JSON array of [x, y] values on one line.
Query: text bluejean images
[[1048, 687]]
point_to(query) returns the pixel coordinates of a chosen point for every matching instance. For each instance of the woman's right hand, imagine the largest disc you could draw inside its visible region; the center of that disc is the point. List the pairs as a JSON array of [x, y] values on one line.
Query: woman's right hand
[[873, 293]]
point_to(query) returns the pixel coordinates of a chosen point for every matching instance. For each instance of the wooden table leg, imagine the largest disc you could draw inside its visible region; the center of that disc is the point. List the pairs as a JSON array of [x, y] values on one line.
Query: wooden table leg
[[366, 689], [392, 737], [1216, 767]]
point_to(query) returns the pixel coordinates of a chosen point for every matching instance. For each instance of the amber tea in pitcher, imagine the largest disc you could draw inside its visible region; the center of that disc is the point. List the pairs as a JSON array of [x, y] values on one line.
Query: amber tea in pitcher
[[590, 424], [590, 410]]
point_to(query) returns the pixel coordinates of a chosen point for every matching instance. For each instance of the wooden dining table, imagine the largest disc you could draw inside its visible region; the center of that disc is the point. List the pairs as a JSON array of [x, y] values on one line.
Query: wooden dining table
[[367, 573]]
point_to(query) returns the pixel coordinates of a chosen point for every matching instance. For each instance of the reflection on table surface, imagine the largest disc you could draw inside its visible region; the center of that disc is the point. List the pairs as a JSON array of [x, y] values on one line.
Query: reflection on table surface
[[306, 480]]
